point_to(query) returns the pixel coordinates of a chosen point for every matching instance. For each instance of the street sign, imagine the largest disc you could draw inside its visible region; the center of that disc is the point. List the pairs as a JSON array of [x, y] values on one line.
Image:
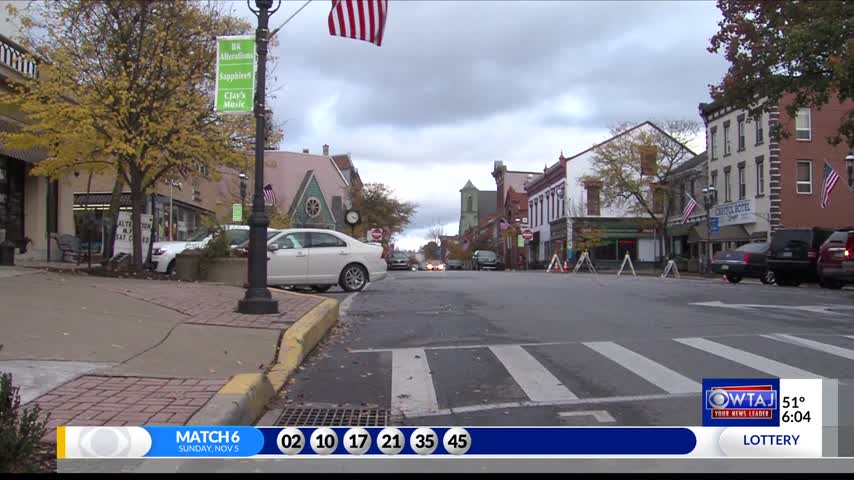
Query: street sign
[[236, 212], [235, 74], [375, 234], [714, 225], [527, 234]]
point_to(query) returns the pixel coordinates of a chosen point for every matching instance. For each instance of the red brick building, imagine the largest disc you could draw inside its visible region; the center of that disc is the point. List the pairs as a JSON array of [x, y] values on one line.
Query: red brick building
[[796, 196]]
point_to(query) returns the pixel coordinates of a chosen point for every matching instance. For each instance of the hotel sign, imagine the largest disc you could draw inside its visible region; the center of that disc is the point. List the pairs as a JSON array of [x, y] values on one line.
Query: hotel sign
[[735, 213]]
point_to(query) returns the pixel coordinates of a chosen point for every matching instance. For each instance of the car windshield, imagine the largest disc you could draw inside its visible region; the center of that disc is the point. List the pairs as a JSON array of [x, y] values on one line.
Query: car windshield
[[753, 248], [199, 235], [486, 254]]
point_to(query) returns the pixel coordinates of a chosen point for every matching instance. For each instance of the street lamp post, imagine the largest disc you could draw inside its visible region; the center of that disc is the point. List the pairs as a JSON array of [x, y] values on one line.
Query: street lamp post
[[849, 160], [709, 196], [242, 177], [258, 299]]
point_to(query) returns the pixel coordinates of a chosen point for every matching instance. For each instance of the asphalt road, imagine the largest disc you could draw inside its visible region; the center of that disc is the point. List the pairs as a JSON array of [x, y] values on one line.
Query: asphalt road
[[530, 348]]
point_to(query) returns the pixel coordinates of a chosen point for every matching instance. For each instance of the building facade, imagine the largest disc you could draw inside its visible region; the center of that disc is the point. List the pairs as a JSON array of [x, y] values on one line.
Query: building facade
[[545, 207], [476, 206], [34, 210], [766, 183], [687, 182], [607, 232]]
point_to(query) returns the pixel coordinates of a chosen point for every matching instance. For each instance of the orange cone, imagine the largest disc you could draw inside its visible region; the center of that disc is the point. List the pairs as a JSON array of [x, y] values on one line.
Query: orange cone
[[724, 279]]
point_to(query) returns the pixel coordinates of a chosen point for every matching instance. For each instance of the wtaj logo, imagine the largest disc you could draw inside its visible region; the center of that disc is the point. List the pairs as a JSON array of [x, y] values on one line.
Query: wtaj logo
[[745, 402]]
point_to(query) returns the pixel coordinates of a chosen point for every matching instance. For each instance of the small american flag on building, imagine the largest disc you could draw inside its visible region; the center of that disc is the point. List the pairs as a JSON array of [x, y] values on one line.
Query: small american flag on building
[[689, 208], [831, 178], [359, 19], [269, 195]]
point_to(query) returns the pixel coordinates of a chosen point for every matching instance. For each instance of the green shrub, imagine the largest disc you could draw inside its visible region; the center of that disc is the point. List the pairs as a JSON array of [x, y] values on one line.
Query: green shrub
[[21, 430]]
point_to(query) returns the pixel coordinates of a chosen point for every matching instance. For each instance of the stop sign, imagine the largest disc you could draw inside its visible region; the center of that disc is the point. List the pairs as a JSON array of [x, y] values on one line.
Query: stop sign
[[376, 234], [527, 234]]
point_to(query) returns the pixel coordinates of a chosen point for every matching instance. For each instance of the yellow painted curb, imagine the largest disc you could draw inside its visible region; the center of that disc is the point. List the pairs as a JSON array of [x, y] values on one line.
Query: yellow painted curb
[[301, 338]]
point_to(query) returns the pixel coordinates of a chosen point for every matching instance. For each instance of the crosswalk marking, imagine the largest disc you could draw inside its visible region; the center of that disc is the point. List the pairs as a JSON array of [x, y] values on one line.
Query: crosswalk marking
[[538, 383], [412, 390], [821, 347], [653, 372], [771, 367]]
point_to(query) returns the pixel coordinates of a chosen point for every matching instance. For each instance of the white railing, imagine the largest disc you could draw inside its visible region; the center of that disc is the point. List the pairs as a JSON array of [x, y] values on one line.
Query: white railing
[[14, 57]]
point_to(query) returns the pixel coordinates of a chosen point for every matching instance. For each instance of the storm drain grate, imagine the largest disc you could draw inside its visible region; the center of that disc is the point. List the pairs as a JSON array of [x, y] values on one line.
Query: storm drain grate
[[333, 417]]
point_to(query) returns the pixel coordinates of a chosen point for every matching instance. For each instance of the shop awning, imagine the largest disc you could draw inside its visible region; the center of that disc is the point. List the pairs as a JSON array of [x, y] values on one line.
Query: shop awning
[[680, 230], [31, 155], [729, 233], [81, 199]]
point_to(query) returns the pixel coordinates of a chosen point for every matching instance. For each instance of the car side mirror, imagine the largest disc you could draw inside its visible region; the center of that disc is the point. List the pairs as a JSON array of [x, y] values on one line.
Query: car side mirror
[[272, 248]]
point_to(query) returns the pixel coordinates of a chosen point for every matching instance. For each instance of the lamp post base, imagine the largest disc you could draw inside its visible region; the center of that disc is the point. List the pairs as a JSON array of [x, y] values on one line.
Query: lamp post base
[[258, 304]]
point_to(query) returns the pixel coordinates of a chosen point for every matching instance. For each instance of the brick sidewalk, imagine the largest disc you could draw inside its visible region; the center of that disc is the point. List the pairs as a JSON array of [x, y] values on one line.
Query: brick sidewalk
[[95, 400], [208, 304]]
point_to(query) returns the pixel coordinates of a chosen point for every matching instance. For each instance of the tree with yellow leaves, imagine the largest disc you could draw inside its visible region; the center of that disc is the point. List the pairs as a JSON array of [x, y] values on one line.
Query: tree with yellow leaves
[[126, 86]]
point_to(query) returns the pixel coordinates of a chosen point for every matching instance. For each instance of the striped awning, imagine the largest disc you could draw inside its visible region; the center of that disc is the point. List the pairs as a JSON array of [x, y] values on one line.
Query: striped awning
[[31, 155]]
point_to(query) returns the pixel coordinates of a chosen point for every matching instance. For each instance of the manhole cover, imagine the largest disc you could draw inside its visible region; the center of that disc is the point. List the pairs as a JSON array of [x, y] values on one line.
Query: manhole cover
[[333, 417]]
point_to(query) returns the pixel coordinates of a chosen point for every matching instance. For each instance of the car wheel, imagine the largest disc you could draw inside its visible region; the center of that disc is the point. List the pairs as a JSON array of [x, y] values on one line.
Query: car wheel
[[829, 284], [768, 278], [170, 269], [733, 278], [321, 288], [353, 278]]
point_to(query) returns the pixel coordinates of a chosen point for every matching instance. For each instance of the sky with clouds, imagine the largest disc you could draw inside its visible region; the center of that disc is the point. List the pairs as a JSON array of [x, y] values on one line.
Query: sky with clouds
[[458, 85]]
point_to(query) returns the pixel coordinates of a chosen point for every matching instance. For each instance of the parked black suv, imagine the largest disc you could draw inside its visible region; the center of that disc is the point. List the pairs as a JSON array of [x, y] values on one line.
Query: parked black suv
[[484, 260], [793, 253]]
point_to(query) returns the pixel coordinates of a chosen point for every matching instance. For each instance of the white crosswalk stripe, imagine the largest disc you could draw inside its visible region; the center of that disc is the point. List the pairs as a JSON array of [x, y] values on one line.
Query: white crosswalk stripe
[[651, 371], [821, 347], [412, 390], [535, 380], [771, 367]]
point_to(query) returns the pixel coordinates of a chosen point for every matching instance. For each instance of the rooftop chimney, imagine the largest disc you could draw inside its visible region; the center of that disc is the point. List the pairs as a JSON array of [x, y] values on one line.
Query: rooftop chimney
[[325, 150], [305, 150]]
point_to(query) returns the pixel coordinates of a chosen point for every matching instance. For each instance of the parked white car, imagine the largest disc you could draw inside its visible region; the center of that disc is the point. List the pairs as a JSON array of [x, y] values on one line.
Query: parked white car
[[163, 253], [321, 259]]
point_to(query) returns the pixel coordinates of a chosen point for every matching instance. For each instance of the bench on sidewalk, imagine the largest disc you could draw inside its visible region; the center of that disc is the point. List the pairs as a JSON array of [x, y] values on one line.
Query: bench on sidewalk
[[69, 245]]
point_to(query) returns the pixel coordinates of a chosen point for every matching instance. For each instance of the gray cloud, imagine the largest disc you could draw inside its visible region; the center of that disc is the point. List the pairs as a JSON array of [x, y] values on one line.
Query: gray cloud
[[457, 85]]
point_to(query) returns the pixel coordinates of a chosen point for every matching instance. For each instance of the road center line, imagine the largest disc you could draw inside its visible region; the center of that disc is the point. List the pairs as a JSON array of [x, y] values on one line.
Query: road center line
[[651, 371], [538, 383], [412, 390], [772, 367], [812, 344]]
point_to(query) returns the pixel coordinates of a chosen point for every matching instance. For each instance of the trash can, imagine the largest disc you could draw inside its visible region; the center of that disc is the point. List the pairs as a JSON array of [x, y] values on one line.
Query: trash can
[[7, 254], [187, 265]]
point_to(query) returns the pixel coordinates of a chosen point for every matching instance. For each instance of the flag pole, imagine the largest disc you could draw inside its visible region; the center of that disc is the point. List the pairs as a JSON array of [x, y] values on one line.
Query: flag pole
[[274, 32]]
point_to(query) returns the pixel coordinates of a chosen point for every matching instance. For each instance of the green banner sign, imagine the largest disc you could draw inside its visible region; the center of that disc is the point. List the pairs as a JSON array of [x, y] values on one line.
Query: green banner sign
[[235, 74], [236, 212], [520, 241]]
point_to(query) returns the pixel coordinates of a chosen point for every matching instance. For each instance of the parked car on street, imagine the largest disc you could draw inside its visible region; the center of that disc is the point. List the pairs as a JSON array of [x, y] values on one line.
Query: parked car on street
[[163, 253], [836, 259], [746, 261], [793, 254], [398, 261], [484, 260], [455, 264], [322, 259]]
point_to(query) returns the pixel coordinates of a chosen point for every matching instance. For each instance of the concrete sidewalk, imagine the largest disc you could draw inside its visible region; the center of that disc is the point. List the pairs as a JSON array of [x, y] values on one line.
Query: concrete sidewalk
[[94, 350]]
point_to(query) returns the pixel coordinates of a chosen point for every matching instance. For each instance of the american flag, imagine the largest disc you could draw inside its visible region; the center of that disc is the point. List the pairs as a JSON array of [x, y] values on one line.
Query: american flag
[[689, 208], [269, 195], [359, 19], [831, 178]]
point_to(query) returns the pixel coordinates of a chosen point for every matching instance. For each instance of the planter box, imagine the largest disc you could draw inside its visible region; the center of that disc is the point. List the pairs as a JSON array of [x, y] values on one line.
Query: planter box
[[227, 270], [187, 266]]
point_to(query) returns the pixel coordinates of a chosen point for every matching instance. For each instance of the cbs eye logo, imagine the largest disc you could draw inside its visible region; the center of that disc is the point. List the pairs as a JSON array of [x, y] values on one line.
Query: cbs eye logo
[[719, 399], [111, 442]]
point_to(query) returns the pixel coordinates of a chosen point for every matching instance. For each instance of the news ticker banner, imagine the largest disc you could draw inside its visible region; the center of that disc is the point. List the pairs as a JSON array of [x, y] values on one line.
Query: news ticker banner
[[741, 418]]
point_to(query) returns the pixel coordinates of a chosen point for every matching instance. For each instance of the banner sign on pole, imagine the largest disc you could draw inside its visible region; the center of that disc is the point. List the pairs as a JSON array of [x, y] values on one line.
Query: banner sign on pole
[[235, 74], [236, 212]]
